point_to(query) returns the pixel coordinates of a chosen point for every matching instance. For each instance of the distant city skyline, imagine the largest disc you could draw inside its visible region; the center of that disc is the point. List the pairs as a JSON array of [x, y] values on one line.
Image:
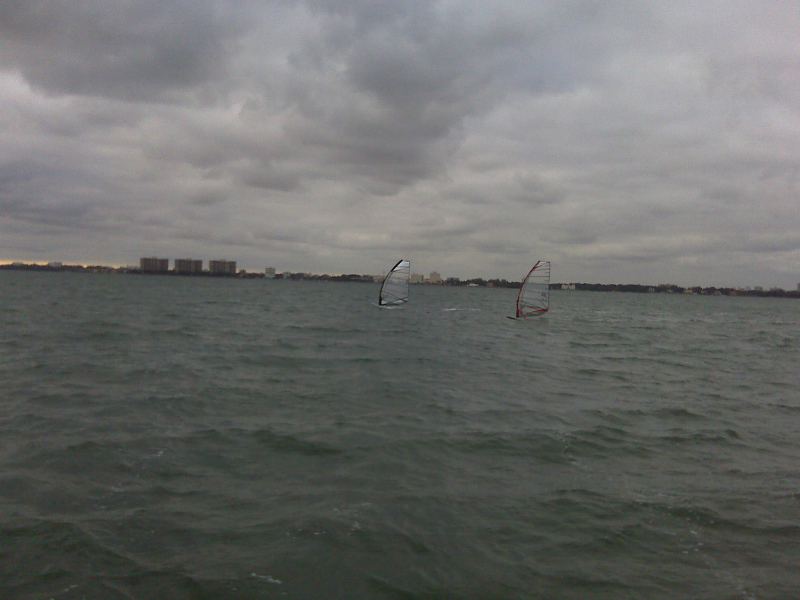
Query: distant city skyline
[[763, 283], [644, 142], [185, 266]]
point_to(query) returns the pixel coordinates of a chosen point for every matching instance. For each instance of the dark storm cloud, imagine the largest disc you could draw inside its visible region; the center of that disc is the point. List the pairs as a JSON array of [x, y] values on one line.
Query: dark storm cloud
[[127, 50], [621, 140], [26, 195]]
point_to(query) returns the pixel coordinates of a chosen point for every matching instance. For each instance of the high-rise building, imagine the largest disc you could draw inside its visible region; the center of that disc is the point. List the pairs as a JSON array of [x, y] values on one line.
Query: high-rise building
[[154, 265], [222, 267], [188, 265], [269, 272], [416, 278], [435, 278]]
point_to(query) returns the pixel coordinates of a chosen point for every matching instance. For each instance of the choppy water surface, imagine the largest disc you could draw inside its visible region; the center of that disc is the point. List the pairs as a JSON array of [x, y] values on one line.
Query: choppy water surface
[[166, 437]]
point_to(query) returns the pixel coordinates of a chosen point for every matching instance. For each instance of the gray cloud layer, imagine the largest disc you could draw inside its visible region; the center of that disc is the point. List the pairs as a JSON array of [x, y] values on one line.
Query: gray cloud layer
[[626, 142]]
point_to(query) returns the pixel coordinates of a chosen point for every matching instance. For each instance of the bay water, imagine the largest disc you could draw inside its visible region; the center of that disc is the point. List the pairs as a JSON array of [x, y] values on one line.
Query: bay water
[[178, 437]]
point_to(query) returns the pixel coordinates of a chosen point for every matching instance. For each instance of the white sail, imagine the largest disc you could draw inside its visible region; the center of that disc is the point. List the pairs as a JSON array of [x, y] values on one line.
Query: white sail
[[533, 298], [394, 289]]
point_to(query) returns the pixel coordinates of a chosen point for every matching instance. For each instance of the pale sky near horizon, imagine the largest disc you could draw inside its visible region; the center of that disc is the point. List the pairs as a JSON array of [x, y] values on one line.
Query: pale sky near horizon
[[627, 142]]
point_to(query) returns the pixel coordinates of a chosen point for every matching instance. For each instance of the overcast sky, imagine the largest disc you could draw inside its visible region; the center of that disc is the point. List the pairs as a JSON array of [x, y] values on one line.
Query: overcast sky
[[625, 141]]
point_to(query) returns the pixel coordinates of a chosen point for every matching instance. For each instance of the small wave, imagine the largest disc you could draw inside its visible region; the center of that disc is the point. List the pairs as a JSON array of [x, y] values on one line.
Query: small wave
[[784, 407], [264, 437], [681, 413], [604, 440], [551, 446], [294, 444], [267, 578], [108, 335], [539, 445], [726, 436]]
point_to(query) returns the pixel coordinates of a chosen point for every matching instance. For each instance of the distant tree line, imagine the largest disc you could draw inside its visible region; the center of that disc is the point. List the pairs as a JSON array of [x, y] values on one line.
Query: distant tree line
[[675, 289]]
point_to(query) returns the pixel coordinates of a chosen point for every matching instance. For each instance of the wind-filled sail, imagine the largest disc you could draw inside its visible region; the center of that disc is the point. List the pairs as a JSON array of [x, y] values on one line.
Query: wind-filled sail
[[534, 296], [394, 289]]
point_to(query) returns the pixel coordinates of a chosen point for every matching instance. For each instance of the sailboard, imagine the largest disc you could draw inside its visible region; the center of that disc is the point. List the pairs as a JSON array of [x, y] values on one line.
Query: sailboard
[[394, 289], [533, 299]]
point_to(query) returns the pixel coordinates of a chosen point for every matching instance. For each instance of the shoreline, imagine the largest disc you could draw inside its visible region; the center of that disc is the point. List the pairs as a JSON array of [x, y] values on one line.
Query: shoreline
[[450, 282]]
